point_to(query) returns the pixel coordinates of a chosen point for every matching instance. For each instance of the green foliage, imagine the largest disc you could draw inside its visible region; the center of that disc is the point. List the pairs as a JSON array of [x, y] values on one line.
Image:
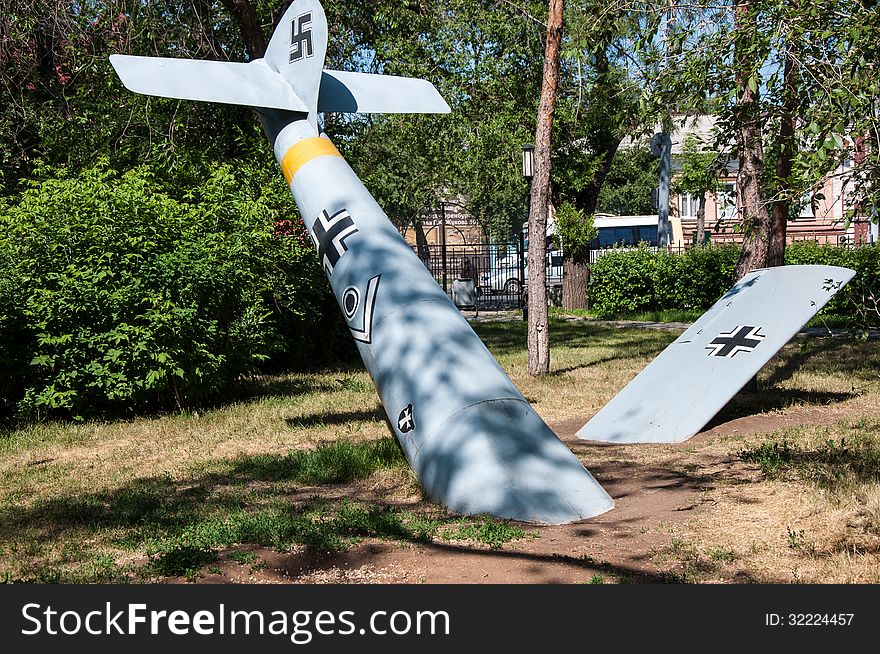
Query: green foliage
[[772, 457], [243, 558], [182, 560], [629, 183], [858, 300], [622, 281], [489, 531], [627, 281], [333, 463], [698, 169], [631, 280], [837, 465], [122, 297], [575, 230]]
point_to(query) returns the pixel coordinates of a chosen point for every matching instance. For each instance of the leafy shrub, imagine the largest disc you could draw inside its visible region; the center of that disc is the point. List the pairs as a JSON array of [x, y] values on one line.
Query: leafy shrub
[[630, 280], [622, 281], [119, 296]]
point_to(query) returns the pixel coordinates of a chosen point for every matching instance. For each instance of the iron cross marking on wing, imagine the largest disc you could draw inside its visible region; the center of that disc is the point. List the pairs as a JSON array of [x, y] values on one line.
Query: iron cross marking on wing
[[329, 234], [739, 339], [301, 37]]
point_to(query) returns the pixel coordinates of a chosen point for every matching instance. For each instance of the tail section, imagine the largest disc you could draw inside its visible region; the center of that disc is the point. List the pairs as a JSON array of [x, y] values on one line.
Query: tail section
[[364, 93], [297, 50], [290, 77]]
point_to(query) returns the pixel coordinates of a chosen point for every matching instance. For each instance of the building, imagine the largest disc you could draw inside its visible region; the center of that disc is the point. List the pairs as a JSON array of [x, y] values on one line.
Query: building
[[822, 214], [447, 224]]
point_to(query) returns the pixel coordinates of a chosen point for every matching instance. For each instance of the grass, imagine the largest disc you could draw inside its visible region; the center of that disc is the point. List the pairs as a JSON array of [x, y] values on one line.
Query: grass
[[305, 463], [487, 531], [660, 315], [839, 466]]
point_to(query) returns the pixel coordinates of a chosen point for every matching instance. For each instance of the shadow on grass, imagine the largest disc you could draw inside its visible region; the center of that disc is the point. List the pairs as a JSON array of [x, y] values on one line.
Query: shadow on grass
[[748, 403], [337, 418], [507, 338], [562, 565], [832, 465], [159, 506]]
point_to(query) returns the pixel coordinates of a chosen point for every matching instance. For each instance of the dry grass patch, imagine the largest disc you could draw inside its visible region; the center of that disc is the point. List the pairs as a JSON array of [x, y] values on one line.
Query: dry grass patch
[[306, 461]]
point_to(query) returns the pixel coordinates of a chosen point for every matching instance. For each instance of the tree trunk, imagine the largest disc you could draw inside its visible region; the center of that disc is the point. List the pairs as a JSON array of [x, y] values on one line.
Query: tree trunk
[[575, 284], [538, 337], [754, 216], [251, 32], [701, 221], [787, 145]]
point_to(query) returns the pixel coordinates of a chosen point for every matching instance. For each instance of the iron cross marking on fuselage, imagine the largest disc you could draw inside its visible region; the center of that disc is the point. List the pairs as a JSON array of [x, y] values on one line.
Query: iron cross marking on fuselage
[[301, 37], [329, 234], [739, 339], [405, 420]]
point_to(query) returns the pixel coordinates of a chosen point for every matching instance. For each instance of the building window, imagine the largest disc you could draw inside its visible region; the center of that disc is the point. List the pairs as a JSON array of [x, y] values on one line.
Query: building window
[[689, 205], [727, 202], [806, 205]]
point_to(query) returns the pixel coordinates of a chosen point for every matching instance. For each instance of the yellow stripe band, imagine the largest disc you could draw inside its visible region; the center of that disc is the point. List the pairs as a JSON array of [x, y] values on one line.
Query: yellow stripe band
[[303, 152]]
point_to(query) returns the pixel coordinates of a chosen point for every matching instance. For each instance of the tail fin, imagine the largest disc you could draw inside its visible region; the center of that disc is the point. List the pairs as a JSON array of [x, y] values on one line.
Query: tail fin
[[297, 50], [291, 76]]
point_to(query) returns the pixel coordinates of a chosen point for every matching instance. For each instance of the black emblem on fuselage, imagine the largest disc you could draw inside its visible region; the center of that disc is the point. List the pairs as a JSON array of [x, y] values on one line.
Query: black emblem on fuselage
[[351, 298], [329, 234], [301, 37], [405, 420], [739, 339]]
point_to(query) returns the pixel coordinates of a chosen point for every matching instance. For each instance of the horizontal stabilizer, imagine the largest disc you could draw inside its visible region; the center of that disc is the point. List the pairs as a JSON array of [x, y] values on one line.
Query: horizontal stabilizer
[[253, 84], [365, 93], [691, 380]]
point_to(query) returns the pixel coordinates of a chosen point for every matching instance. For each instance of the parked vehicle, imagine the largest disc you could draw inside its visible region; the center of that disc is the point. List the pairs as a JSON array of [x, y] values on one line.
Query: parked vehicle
[[505, 277]]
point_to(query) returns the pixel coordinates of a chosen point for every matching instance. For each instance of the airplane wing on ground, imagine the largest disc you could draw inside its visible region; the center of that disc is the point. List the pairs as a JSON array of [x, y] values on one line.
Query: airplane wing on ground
[[696, 375]]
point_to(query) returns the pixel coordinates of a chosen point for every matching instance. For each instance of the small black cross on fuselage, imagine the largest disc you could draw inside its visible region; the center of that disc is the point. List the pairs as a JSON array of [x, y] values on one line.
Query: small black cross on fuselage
[[405, 420], [740, 339]]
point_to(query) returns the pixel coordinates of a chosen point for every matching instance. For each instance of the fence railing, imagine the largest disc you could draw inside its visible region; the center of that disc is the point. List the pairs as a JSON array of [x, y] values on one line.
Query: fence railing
[[494, 269], [492, 275]]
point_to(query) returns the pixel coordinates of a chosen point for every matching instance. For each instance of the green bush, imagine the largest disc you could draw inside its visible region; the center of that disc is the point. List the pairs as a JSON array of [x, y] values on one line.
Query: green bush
[[119, 297], [630, 280], [622, 281], [627, 281]]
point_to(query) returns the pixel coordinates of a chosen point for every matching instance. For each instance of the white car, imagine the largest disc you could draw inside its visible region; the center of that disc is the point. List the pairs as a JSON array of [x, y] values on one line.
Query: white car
[[505, 278]]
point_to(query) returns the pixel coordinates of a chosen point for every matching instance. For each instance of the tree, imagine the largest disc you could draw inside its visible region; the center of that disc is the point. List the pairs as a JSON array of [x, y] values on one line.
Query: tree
[[754, 216], [538, 335], [697, 175], [629, 183], [795, 87], [597, 107]]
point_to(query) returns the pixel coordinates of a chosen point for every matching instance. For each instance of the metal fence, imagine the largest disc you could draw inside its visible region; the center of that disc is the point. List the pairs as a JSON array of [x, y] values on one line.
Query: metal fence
[[480, 276]]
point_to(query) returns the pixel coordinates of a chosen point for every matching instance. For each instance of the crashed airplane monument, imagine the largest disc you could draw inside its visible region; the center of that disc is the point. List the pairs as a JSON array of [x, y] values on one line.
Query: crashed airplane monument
[[473, 440]]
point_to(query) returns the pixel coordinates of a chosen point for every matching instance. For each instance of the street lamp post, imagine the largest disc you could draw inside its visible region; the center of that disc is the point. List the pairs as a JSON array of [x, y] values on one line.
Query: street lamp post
[[528, 172], [443, 240]]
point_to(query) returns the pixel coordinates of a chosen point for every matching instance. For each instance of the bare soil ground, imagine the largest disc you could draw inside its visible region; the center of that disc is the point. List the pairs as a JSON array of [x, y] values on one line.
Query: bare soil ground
[[663, 494], [95, 501]]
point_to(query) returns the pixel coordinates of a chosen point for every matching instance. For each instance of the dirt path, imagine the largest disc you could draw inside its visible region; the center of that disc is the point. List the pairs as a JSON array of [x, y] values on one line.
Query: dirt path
[[621, 545]]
